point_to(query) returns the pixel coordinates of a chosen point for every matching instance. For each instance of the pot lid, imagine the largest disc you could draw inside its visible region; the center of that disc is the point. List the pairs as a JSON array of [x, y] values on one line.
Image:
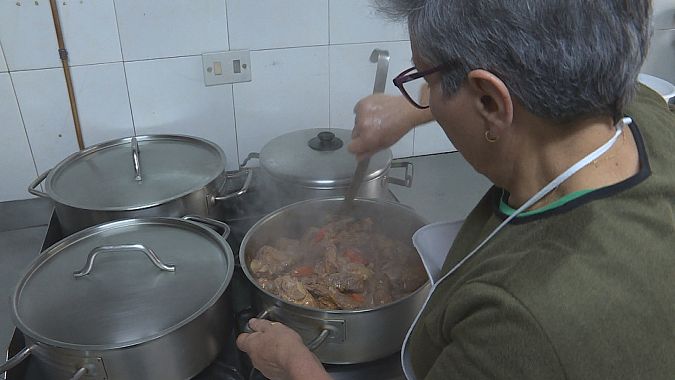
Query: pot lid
[[103, 177], [125, 299], [318, 158]]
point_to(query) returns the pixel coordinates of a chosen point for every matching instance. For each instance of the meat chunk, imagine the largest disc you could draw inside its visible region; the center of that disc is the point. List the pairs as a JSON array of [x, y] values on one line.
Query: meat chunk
[[292, 290], [269, 261], [344, 263]]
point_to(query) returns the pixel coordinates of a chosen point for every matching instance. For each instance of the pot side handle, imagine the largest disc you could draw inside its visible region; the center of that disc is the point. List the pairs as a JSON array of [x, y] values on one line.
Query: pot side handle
[[242, 191], [251, 156], [408, 176], [16, 359], [124, 247], [312, 345], [217, 225], [32, 187]]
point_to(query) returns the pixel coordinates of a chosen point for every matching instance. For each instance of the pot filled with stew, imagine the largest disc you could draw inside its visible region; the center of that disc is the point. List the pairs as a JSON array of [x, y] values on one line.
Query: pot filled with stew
[[348, 280]]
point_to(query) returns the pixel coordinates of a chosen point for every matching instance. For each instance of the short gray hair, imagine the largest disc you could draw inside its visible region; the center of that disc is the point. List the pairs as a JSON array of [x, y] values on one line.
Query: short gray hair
[[565, 60]]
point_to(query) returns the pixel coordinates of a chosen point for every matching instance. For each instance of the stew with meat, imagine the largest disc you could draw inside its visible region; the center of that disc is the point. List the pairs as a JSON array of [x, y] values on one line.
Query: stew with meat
[[344, 264]]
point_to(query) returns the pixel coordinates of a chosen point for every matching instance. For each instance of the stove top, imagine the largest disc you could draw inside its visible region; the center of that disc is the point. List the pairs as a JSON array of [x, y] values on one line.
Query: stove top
[[231, 364]]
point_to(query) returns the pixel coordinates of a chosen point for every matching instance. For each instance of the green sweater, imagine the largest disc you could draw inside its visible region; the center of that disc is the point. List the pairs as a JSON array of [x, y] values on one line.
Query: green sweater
[[583, 291]]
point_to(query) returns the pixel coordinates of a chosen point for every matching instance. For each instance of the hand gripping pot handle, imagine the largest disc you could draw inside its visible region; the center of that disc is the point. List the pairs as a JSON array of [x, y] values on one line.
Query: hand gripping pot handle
[[124, 247], [32, 187], [312, 345]]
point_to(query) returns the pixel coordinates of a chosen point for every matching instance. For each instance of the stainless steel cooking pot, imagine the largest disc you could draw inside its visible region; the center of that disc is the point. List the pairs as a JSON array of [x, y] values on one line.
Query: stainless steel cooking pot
[[338, 336], [135, 177], [130, 299], [315, 163]]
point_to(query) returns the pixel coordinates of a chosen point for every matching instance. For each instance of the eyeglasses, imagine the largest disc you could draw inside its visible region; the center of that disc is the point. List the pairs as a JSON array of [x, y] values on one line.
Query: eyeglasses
[[404, 82]]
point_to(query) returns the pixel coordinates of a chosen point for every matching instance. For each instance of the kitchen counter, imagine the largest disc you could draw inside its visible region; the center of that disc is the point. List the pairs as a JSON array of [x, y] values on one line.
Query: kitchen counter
[[444, 187]]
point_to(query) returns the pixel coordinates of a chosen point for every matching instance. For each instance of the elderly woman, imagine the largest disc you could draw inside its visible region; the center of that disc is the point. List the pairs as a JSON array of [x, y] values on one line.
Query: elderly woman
[[566, 267]]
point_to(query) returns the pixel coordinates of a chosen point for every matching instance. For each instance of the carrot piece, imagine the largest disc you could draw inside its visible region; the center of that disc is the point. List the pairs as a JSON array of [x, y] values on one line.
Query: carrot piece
[[302, 271], [358, 297], [353, 255], [320, 235]]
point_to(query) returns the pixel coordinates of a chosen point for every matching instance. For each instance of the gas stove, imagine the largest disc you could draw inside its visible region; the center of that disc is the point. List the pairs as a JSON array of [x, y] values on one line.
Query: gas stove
[[231, 364]]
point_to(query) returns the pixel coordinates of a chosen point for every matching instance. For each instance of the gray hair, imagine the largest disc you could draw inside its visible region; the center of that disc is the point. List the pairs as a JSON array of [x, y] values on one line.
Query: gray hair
[[564, 60]]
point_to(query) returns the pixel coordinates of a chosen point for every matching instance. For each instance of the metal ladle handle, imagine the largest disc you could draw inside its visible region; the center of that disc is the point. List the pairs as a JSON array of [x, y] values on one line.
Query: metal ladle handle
[[136, 158], [381, 57], [124, 247]]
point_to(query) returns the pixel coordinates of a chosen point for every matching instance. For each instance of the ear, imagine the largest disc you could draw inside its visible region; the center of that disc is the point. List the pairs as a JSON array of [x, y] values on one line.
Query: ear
[[492, 100]]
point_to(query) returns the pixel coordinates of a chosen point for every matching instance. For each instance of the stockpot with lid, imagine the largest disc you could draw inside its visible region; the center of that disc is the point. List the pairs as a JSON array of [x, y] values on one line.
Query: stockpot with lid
[[133, 177], [315, 163], [136, 298]]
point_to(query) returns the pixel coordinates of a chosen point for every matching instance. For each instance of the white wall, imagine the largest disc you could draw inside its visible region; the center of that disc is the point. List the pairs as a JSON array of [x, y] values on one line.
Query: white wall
[[137, 69], [661, 59]]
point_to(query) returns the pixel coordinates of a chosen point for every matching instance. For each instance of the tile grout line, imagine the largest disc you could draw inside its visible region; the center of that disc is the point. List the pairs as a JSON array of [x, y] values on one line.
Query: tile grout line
[[234, 109], [23, 122], [199, 55]]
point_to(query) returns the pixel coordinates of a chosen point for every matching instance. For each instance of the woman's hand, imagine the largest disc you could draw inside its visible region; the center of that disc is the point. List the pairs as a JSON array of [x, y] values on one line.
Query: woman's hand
[[279, 353], [381, 120]]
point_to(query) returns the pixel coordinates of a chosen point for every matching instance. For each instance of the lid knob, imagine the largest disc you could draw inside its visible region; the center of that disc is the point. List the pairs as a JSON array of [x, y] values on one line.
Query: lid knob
[[325, 141]]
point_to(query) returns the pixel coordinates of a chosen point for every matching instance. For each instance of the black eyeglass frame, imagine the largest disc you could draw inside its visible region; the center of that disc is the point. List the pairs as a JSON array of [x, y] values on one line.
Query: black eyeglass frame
[[404, 78]]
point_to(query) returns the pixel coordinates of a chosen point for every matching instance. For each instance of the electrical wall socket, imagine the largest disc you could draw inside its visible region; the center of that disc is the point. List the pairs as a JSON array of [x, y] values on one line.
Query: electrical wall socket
[[227, 67]]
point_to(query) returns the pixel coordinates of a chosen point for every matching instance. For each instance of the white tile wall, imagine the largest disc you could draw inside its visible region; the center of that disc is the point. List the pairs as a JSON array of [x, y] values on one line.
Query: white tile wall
[[352, 76], [266, 24], [103, 102], [43, 100], [661, 58], [3, 63], [27, 35], [18, 169], [289, 91], [664, 14], [169, 96], [137, 69], [355, 21], [154, 29], [430, 139], [90, 31]]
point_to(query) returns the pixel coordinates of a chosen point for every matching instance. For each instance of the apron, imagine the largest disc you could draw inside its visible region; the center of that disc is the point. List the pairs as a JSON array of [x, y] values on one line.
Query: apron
[[433, 241]]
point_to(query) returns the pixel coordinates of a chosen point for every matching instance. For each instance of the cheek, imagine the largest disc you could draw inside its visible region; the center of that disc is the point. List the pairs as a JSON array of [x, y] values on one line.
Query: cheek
[[444, 112], [457, 121]]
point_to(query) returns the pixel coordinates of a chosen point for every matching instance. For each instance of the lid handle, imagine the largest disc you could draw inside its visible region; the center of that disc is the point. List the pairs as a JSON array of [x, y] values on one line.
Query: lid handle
[[136, 158], [124, 247], [325, 141]]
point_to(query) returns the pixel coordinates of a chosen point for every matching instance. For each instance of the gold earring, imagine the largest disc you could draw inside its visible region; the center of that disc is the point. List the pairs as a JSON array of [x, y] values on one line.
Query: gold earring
[[489, 138]]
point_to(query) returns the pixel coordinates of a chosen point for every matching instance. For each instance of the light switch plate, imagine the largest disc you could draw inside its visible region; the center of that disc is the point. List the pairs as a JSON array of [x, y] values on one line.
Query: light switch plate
[[227, 67]]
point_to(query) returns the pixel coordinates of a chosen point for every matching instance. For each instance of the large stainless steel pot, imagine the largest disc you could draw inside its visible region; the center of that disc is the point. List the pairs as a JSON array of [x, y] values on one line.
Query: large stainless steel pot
[[136, 177], [130, 299], [338, 336], [315, 163]]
